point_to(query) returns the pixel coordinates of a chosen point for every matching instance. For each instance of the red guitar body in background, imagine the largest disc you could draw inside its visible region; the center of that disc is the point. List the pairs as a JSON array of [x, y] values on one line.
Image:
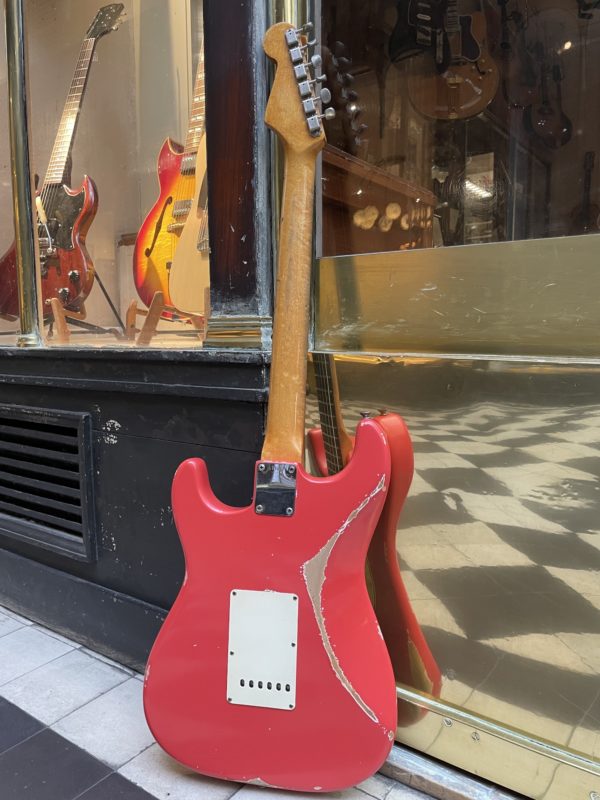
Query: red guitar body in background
[[342, 725], [412, 660], [58, 269]]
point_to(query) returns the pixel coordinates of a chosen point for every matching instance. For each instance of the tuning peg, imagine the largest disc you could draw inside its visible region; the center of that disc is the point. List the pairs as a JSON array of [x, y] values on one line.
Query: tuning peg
[[344, 63], [325, 95], [328, 114], [317, 62]]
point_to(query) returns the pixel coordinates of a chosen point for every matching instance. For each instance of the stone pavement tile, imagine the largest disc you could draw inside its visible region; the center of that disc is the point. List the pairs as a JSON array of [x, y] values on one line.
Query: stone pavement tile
[[265, 793], [115, 788], [8, 624], [166, 779], [47, 767], [15, 725], [26, 649], [378, 786], [58, 688], [112, 727]]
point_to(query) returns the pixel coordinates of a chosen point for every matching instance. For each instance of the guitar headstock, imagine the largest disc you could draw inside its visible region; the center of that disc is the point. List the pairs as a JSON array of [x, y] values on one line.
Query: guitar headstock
[[106, 20], [295, 107]]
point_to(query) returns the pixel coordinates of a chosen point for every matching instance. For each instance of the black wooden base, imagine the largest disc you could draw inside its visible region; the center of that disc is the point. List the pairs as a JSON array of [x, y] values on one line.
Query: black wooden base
[[121, 627]]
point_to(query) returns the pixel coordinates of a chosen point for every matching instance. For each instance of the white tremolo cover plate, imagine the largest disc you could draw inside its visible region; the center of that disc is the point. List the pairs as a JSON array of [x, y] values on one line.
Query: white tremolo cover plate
[[263, 648]]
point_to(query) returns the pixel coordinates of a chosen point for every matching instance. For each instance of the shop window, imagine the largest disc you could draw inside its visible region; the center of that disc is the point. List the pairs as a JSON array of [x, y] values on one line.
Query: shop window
[[118, 121], [8, 288], [461, 123]]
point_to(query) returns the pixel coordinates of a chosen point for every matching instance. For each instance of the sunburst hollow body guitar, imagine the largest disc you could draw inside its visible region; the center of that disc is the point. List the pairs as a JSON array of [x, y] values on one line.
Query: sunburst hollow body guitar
[[64, 214], [270, 667], [181, 178]]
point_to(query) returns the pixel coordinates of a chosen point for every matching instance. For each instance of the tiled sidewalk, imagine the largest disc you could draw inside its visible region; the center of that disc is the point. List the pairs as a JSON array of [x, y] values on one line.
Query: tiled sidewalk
[[72, 728]]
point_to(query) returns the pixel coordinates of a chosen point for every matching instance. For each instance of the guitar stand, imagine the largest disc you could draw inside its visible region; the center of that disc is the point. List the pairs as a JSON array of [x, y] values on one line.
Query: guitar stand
[[61, 316], [143, 337]]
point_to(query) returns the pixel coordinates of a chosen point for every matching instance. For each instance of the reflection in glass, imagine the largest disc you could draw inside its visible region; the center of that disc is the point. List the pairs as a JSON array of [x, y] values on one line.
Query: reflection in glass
[[461, 122]]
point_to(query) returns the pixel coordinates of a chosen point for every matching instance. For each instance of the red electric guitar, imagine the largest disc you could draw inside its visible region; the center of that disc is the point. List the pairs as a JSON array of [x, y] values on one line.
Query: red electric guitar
[[331, 448], [64, 214], [270, 667]]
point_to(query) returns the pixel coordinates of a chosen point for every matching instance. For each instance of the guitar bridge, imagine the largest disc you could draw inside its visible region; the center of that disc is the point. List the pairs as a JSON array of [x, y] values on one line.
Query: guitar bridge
[[275, 489]]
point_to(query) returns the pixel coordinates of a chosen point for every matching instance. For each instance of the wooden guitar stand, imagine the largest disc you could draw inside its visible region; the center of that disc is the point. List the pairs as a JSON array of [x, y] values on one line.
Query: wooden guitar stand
[[61, 316], [143, 337]]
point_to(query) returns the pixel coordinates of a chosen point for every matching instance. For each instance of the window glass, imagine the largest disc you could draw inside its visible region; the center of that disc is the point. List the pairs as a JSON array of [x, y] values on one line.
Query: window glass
[[117, 121], [459, 122]]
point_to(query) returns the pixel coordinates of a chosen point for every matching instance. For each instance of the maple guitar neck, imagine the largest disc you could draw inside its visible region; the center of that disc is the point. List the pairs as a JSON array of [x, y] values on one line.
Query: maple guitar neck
[[284, 439]]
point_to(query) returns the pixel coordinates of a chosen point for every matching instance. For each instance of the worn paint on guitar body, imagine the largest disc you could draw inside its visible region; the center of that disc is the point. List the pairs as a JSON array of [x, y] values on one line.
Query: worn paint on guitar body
[[342, 726], [412, 660], [75, 210], [155, 245]]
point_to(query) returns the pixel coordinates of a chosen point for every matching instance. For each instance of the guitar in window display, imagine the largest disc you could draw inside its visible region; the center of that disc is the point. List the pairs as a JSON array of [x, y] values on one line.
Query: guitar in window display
[[452, 75], [179, 218], [64, 215], [331, 448], [270, 667]]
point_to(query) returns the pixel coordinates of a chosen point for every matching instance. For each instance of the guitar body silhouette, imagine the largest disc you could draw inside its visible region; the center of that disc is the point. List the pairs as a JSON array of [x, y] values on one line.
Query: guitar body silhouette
[[342, 723]]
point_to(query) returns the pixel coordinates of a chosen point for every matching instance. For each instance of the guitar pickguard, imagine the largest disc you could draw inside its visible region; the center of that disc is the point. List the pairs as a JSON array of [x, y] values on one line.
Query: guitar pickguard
[[62, 214]]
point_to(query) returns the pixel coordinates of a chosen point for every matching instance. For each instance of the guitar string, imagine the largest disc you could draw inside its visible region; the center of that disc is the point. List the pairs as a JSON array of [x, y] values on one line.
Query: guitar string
[[324, 374]]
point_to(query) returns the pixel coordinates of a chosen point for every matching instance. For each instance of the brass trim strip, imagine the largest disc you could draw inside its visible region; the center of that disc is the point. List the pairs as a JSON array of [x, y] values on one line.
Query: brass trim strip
[[539, 746], [21, 176]]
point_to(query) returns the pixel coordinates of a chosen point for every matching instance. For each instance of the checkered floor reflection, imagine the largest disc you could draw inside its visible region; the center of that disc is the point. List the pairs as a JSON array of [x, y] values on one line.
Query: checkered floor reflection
[[499, 543]]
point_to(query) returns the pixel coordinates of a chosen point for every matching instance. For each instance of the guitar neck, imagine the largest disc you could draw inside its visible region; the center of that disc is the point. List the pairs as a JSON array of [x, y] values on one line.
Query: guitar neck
[[58, 167], [284, 439], [198, 116], [332, 426]]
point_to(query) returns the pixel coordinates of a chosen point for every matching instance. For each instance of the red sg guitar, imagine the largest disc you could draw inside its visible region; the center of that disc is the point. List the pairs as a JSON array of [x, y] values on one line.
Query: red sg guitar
[[270, 667], [64, 214], [331, 448]]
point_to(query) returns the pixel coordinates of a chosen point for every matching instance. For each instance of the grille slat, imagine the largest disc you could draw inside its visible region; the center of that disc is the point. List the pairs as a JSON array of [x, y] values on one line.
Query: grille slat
[[45, 471], [61, 475], [35, 483], [48, 503], [17, 510], [39, 435], [39, 452]]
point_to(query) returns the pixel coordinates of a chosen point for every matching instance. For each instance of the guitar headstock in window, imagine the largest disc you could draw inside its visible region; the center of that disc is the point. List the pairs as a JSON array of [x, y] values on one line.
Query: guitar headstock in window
[[106, 20], [295, 110]]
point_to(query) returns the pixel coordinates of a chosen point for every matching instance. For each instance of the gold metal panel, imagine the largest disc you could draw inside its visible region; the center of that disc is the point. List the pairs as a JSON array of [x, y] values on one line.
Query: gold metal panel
[[537, 297], [499, 546]]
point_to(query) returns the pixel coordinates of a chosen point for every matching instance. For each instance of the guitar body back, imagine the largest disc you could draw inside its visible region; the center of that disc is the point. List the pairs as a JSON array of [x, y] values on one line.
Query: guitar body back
[[189, 276], [342, 723], [155, 244], [70, 270]]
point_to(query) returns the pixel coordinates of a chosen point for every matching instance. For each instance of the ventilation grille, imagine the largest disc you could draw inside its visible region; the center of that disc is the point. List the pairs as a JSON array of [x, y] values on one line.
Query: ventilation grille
[[42, 469]]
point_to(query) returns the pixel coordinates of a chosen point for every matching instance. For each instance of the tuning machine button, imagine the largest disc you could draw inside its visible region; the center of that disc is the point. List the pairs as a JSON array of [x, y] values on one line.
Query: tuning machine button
[[325, 95]]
